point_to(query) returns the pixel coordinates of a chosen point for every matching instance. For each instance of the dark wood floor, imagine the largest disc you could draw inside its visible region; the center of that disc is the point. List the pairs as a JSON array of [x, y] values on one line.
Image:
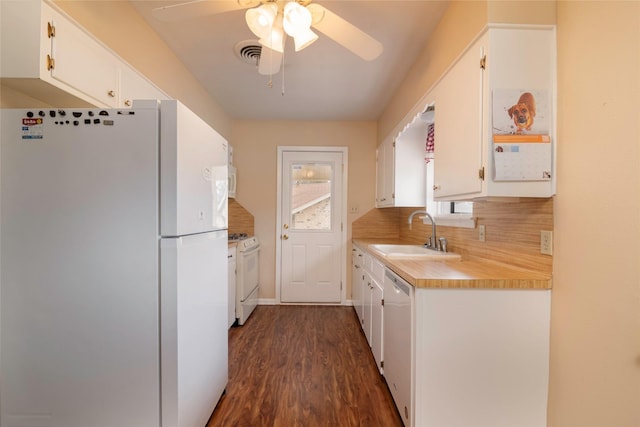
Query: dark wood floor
[[303, 366]]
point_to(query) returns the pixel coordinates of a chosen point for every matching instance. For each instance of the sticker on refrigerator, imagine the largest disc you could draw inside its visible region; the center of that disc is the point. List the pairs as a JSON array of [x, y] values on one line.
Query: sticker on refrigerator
[[32, 128]]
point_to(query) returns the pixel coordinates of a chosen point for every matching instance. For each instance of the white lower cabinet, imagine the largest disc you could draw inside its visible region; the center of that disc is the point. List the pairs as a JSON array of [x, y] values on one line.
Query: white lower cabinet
[[366, 312], [357, 281], [367, 296], [457, 357], [376, 340], [376, 324], [481, 357]]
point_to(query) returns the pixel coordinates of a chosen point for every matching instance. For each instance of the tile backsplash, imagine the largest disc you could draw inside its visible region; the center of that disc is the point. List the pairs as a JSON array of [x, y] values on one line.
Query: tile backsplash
[[512, 231], [240, 219]]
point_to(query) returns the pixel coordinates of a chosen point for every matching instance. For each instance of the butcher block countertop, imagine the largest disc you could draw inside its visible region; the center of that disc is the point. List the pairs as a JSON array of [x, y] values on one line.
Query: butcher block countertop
[[458, 274]]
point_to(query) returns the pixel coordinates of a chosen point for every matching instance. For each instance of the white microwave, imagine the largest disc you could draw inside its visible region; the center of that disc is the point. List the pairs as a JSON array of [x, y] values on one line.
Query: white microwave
[[232, 182]]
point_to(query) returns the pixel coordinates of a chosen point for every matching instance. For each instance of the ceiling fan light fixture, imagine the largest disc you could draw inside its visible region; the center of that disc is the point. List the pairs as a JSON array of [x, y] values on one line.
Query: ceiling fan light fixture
[[297, 24], [275, 38], [305, 39], [261, 19], [297, 19]]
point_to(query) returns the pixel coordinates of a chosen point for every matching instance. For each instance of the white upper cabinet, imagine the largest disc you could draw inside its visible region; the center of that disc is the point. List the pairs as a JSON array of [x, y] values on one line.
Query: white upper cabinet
[[472, 103], [458, 126], [48, 56], [80, 62], [133, 85], [384, 174], [401, 168]]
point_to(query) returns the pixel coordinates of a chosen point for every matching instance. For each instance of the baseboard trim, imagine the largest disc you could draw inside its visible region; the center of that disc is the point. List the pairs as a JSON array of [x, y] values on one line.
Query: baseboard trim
[[272, 301]]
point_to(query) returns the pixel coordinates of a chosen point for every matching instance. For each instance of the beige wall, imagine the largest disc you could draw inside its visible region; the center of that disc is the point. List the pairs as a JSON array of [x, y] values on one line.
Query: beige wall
[[595, 319], [120, 27], [461, 22], [539, 12], [255, 155]]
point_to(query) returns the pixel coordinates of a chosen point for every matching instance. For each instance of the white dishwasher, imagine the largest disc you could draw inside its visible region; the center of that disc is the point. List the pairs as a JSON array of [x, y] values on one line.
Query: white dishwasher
[[398, 342]]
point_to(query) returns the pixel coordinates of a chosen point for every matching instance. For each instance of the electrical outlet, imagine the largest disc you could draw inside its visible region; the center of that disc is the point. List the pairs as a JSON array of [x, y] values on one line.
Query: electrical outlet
[[481, 233], [546, 242], [353, 209]]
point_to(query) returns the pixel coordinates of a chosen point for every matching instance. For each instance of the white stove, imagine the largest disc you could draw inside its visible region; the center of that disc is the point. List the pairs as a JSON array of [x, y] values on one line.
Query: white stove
[[247, 277]]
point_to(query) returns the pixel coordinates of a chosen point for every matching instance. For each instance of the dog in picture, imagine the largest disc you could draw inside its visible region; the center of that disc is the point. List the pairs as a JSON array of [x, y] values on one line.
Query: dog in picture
[[523, 112]]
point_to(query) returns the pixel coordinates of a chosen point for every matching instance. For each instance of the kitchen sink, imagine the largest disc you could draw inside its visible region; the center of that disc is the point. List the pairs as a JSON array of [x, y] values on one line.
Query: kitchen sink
[[413, 252]]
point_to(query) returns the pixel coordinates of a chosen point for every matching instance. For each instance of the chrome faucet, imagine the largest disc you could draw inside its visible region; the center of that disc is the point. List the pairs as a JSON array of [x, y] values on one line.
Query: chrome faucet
[[432, 242]]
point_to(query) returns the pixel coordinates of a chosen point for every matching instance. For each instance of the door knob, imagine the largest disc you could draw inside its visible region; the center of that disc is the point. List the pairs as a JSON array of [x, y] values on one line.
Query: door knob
[[285, 237]]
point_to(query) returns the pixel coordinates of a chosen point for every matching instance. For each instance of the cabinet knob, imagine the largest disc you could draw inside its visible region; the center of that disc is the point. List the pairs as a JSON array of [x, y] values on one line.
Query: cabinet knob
[[111, 93], [436, 187], [127, 103]]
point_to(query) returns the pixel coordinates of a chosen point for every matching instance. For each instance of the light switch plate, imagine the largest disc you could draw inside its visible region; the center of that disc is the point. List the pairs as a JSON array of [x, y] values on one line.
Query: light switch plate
[[481, 233]]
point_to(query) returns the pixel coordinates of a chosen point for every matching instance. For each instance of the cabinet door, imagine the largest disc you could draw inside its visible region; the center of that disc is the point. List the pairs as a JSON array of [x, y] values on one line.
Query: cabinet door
[[376, 322], [409, 166], [82, 63], [385, 174], [135, 86], [366, 317], [379, 175], [357, 275], [25, 42], [458, 126], [518, 60]]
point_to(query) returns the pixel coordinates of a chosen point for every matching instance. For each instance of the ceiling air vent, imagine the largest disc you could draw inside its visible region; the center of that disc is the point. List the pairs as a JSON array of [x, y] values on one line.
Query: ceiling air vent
[[248, 51]]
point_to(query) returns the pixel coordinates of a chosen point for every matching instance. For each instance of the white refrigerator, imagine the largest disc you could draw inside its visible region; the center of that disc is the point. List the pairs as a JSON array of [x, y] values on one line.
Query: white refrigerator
[[113, 267]]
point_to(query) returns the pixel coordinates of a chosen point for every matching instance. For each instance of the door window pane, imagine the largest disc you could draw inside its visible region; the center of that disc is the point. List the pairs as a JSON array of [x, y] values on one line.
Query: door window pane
[[311, 196]]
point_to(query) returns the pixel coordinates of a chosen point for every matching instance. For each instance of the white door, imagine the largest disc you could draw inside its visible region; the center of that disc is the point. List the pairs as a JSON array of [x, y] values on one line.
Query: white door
[[311, 229]]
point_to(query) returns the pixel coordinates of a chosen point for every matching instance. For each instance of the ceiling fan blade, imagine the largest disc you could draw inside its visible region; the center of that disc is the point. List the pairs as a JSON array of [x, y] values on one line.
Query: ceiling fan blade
[[270, 61], [197, 8], [344, 33]]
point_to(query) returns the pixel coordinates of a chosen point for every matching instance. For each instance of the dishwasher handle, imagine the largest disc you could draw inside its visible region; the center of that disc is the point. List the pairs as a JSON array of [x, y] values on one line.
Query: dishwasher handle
[[398, 283]]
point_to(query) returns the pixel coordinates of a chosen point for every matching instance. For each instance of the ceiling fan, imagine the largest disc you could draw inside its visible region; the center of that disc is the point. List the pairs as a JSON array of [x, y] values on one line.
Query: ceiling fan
[[273, 20]]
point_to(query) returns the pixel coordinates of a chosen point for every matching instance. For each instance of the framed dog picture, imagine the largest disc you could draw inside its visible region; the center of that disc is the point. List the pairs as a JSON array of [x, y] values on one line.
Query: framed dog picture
[[521, 139]]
